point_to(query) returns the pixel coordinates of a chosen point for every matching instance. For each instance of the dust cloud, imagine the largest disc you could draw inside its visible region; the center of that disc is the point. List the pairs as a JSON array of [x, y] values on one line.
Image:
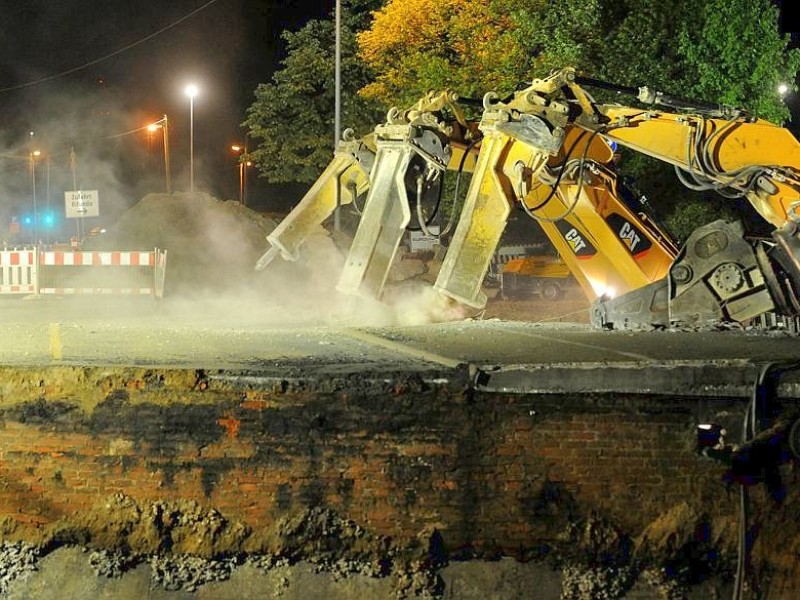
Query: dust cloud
[[76, 136], [212, 248]]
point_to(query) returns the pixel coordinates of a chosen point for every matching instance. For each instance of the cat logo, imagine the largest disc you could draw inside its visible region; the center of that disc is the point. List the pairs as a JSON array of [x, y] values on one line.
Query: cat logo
[[582, 247], [630, 235], [575, 240]]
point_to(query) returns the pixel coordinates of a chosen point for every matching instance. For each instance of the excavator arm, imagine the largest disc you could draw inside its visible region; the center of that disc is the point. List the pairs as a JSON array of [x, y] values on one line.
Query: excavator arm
[[564, 181], [398, 166], [547, 150], [717, 275], [345, 179]]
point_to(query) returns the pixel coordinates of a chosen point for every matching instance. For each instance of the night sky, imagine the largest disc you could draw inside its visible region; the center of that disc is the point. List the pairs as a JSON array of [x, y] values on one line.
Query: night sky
[[227, 48]]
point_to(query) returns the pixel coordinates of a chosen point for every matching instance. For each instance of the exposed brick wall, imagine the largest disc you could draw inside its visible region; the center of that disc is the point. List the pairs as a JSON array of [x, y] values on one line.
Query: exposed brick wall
[[488, 471]]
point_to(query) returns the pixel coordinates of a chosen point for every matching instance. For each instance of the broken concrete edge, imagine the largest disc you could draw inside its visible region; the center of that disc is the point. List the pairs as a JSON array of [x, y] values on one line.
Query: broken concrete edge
[[87, 386], [703, 379], [720, 379]]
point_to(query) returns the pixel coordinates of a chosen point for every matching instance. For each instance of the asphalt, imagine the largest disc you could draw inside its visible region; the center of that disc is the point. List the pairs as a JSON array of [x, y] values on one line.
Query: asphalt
[[502, 356]]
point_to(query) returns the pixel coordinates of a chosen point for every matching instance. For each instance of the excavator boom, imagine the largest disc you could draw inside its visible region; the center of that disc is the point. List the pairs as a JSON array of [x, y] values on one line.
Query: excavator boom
[[547, 150], [717, 276], [610, 248]]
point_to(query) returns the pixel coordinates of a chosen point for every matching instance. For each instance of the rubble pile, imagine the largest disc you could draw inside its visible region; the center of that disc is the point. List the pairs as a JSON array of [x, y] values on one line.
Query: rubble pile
[[332, 544], [185, 546], [177, 527], [17, 560], [209, 242], [188, 572]]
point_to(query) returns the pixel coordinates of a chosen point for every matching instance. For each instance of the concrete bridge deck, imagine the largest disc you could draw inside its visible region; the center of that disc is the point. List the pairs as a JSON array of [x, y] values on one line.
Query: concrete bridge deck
[[515, 356]]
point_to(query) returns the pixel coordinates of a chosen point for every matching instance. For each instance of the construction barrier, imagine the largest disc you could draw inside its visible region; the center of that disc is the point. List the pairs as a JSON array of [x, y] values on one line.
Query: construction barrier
[[61, 272], [18, 271]]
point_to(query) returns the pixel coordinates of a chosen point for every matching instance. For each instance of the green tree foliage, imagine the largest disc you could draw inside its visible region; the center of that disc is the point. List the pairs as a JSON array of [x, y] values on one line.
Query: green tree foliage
[[472, 46], [717, 51], [733, 54], [639, 46], [291, 119]]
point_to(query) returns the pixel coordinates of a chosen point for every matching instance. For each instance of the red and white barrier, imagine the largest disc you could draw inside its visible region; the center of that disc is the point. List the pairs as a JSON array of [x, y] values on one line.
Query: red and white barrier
[[57, 272], [18, 271], [98, 259]]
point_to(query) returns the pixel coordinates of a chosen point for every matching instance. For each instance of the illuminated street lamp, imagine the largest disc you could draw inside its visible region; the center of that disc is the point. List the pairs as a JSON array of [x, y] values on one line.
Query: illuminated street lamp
[[783, 89], [163, 124], [191, 90], [241, 151]]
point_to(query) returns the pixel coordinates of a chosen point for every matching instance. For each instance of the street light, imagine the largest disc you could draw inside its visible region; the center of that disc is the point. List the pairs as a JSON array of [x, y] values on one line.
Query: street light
[[163, 124], [191, 90], [241, 152], [337, 101]]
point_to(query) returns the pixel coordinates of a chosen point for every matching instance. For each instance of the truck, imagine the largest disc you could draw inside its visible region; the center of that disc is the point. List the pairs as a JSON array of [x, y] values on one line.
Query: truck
[[546, 276]]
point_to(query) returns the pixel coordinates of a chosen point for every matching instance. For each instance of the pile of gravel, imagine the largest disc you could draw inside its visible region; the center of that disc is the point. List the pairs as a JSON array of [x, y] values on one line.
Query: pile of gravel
[[210, 243], [17, 560]]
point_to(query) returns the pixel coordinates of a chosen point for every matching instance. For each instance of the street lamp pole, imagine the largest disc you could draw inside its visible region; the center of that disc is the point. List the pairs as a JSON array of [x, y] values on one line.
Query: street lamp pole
[[73, 165], [167, 174], [241, 152], [33, 156], [337, 108], [191, 91], [163, 123]]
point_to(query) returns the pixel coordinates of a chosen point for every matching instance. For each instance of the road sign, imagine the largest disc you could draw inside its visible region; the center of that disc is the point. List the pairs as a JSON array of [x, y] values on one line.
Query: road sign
[[81, 204]]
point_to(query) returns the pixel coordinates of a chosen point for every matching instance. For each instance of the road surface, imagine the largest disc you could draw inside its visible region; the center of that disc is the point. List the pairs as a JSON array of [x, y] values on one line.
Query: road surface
[[512, 355]]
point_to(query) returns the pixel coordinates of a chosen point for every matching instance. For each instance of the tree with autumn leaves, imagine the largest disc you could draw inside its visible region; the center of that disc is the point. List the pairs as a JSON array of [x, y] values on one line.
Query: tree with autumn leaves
[[727, 51], [472, 46]]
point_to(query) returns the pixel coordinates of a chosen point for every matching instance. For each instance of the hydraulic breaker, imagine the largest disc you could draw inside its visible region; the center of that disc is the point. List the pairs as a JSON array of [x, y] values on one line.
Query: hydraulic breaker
[[409, 158], [509, 153], [345, 178]]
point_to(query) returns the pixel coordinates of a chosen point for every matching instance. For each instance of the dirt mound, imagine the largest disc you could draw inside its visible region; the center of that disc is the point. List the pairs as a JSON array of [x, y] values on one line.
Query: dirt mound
[[210, 243]]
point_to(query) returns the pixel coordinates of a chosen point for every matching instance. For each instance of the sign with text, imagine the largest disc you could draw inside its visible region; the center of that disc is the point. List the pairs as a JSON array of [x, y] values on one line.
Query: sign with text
[[81, 204]]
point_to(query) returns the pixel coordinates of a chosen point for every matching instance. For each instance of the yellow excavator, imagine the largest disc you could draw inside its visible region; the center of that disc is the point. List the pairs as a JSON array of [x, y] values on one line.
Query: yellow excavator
[[716, 276], [542, 275], [548, 150]]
